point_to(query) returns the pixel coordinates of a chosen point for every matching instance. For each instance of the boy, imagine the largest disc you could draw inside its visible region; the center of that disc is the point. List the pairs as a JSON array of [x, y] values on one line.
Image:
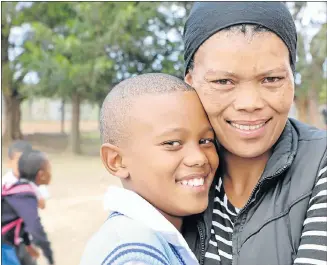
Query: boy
[[158, 141], [15, 150], [19, 206]]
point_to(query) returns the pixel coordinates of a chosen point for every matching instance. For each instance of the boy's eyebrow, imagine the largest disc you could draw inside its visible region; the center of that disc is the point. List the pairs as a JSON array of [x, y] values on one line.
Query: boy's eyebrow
[[181, 130], [172, 130], [207, 129]]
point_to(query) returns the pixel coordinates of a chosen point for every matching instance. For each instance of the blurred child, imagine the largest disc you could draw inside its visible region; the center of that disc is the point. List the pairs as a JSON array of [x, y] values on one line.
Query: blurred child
[[15, 150], [20, 209], [158, 141]]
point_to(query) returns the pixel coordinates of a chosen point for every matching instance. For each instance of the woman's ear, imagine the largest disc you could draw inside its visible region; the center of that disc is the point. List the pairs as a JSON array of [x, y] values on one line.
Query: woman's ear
[[112, 159]]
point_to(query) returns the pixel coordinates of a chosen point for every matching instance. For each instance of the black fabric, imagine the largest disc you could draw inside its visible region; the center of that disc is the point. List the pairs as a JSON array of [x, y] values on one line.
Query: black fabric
[[207, 18]]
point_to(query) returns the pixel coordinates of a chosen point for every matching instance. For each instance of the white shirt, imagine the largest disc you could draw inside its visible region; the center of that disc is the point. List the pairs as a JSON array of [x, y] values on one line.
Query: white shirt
[[119, 200]]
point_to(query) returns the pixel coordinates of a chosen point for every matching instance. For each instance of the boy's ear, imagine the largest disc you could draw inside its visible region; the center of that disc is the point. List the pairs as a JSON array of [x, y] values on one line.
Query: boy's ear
[[188, 79], [112, 159]]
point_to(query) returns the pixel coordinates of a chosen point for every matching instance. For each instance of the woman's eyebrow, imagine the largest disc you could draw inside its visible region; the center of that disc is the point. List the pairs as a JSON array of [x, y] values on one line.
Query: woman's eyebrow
[[274, 70], [212, 72]]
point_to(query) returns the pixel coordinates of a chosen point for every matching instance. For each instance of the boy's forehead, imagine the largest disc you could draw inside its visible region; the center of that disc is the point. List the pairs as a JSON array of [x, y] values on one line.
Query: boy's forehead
[[165, 102], [159, 111]]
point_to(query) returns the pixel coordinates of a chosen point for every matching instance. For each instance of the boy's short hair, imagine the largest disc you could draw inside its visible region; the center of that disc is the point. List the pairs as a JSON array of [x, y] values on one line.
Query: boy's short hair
[[114, 111], [30, 163], [18, 146]]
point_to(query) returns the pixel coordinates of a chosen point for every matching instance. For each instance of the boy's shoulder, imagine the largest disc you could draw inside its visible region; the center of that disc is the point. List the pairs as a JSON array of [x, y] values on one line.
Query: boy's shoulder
[[120, 236]]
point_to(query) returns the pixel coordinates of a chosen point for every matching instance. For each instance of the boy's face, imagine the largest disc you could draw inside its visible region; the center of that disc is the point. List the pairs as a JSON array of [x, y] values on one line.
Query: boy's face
[[170, 157]]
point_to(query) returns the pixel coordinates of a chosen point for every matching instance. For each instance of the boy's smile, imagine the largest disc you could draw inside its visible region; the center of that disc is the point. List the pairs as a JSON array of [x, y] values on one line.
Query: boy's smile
[[171, 157]]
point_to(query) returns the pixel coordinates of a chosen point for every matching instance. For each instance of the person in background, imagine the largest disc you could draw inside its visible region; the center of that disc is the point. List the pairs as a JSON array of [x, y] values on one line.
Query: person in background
[[20, 216], [15, 150]]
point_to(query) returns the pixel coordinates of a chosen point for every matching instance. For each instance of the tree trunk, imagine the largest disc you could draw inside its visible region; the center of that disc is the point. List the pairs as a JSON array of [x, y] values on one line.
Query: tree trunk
[[302, 109], [12, 119], [10, 90], [62, 120], [75, 133]]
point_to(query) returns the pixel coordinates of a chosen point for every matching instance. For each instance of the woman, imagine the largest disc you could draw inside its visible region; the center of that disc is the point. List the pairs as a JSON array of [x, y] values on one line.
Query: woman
[[268, 204]]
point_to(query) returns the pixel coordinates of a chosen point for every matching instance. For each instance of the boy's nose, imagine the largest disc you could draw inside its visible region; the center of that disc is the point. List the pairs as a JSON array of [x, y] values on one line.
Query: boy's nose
[[195, 158]]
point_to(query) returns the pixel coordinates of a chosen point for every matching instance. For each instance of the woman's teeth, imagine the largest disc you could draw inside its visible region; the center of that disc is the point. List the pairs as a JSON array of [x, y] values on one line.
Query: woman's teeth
[[247, 127], [192, 182]]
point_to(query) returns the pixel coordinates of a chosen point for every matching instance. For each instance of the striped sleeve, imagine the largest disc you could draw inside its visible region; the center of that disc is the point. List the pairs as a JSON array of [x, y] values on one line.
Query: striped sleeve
[[313, 245], [135, 263], [135, 252]]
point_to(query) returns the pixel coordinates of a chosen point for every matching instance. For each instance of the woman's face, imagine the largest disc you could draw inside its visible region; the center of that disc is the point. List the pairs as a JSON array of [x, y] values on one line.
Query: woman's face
[[246, 86]]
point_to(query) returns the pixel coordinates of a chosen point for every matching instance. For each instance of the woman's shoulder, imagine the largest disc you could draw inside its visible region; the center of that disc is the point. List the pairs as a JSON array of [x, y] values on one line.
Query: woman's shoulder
[[124, 239], [307, 132], [311, 152]]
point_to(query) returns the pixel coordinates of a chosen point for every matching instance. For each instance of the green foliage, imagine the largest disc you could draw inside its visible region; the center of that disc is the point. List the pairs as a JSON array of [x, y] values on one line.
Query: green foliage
[[87, 47], [323, 94], [311, 71]]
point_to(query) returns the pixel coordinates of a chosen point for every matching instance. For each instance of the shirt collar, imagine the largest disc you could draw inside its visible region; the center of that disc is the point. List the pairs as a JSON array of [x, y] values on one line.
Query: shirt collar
[[119, 200]]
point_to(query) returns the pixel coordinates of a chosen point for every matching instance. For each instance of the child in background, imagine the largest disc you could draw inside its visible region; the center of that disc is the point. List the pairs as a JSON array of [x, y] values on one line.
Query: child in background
[[19, 208], [15, 150], [25, 253], [158, 141]]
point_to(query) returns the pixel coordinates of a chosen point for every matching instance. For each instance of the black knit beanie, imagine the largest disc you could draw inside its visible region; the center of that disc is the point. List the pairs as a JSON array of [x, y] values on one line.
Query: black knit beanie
[[207, 18]]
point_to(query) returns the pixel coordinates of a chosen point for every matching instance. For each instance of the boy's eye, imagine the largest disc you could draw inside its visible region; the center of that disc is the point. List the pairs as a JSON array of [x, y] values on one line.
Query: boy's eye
[[172, 143], [207, 141]]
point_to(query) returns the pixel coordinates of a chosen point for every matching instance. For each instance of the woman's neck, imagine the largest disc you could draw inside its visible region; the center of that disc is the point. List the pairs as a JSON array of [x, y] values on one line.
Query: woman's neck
[[242, 175]]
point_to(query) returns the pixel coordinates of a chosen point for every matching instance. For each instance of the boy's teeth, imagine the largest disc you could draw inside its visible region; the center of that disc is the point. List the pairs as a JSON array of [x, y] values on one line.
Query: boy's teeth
[[193, 182], [184, 182], [247, 127]]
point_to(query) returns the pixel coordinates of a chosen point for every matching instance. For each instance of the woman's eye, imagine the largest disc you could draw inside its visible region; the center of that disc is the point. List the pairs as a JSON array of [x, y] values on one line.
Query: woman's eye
[[206, 141], [272, 79], [223, 82]]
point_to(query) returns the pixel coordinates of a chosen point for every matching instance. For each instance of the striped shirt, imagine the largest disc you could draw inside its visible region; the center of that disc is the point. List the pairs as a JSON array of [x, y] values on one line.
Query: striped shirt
[[313, 245]]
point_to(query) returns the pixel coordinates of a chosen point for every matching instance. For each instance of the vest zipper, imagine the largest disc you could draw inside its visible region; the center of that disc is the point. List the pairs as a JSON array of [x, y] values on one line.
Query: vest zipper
[[201, 261], [278, 172], [256, 188]]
